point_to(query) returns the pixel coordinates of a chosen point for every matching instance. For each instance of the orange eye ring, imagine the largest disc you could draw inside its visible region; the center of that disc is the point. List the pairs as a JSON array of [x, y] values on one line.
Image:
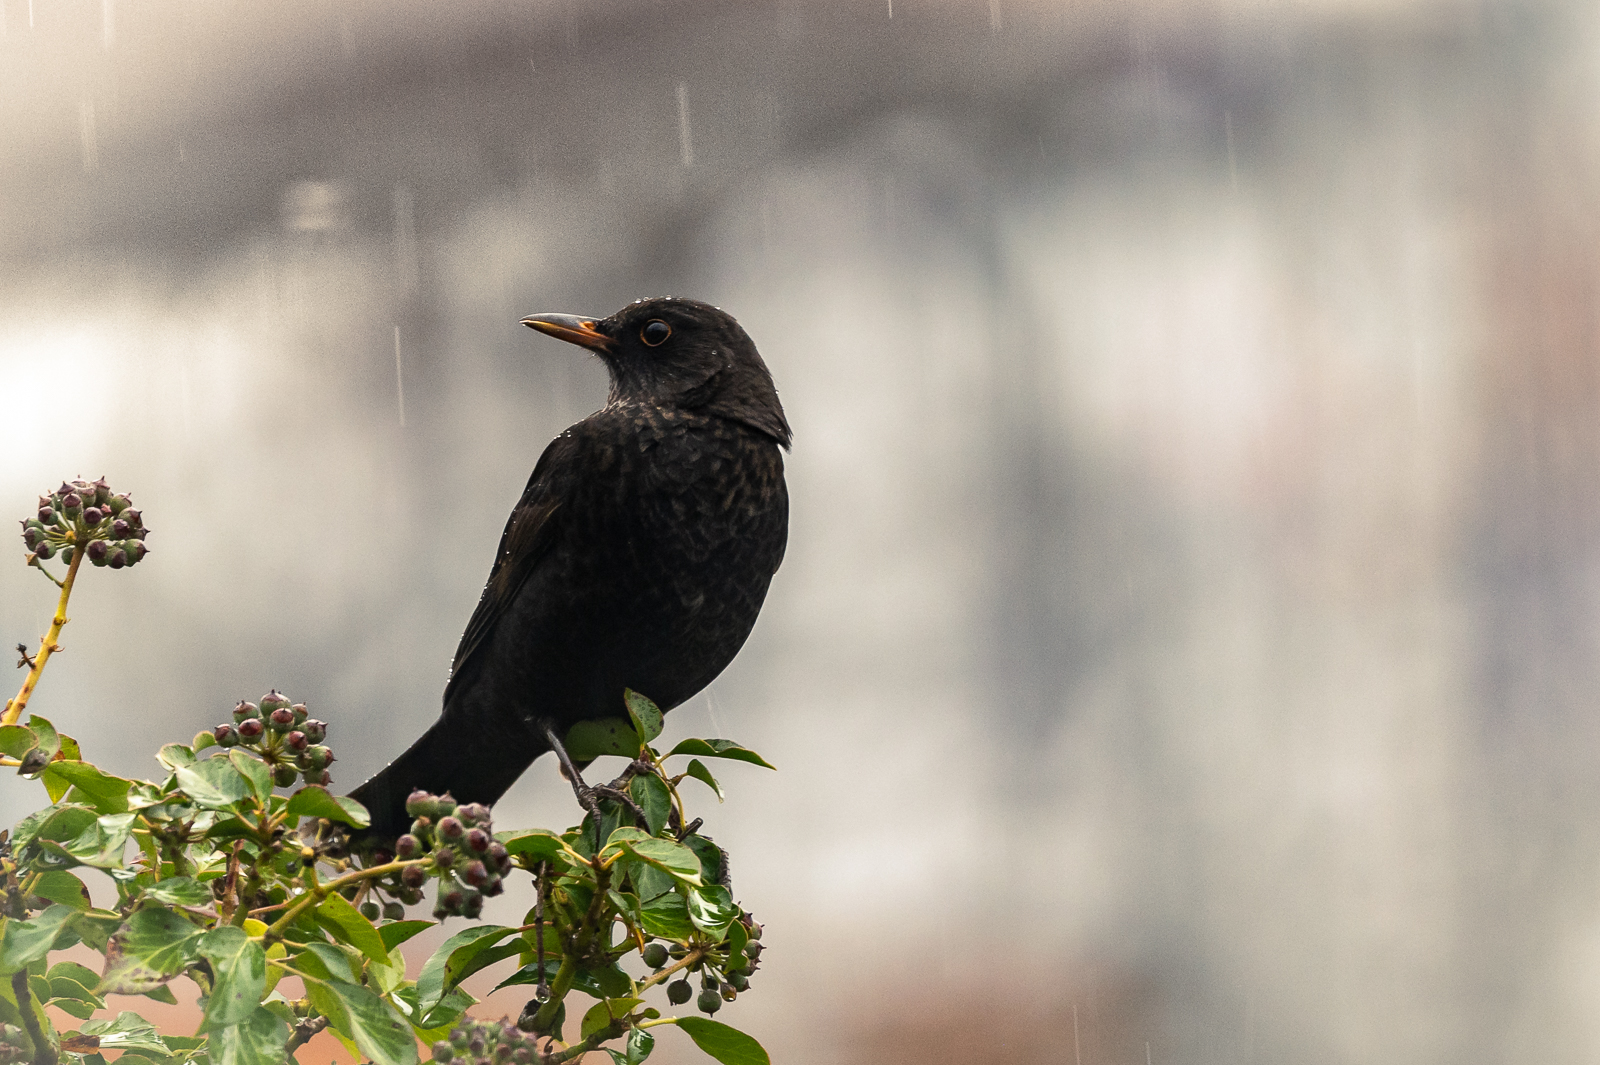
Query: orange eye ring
[[655, 333]]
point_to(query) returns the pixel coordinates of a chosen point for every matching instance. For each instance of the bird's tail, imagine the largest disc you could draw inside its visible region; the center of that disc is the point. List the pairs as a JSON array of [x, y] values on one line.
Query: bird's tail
[[473, 765]]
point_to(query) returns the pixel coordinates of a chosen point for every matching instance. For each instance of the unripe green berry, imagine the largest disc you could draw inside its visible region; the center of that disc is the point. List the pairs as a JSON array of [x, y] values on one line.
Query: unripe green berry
[[709, 982], [442, 1052], [407, 847], [418, 802], [451, 830], [300, 714], [244, 710], [679, 992], [250, 729], [393, 911], [226, 736], [371, 910], [284, 776], [654, 955], [281, 719], [273, 700], [414, 876], [739, 981], [317, 731], [708, 1002]]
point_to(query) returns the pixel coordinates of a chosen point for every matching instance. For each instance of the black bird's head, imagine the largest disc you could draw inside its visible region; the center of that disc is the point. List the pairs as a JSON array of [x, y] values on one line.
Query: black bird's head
[[678, 353]]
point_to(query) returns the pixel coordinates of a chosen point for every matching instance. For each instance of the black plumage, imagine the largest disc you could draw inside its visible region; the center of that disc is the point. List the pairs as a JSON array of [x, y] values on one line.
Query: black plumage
[[638, 556]]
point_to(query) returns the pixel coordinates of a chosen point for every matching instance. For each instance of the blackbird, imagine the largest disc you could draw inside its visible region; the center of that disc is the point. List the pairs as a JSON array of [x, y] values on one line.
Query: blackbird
[[638, 556]]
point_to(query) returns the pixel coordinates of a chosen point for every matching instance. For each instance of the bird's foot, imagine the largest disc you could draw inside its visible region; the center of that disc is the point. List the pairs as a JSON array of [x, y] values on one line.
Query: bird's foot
[[589, 797]]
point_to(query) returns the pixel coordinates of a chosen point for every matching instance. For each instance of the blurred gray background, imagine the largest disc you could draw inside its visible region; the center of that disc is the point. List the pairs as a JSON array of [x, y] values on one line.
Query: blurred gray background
[[1188, 645]]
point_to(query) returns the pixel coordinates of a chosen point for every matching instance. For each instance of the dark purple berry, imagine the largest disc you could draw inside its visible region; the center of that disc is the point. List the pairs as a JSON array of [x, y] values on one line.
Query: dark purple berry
[[473, 813], [493, 886], [522, 1056], [475, 874], [414, 876], [297, 741], [453, 900], [273, 700], [498, 857], [71, 502], [226, 736], [442, 1052], [47, 513], [407, 847], [371, 910], [117, 560], [444, 858], [654, 955], [410, 895], [282, 719], [44, 550], [472, 909], [133, 519], [251, 729], [450, 829], [476, 1043], [478, 839], [120, 529], [92, 516], [97, 550]]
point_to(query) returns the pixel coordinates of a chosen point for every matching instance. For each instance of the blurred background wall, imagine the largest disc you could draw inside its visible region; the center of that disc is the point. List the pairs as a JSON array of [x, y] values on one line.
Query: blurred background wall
[[1188, 644]]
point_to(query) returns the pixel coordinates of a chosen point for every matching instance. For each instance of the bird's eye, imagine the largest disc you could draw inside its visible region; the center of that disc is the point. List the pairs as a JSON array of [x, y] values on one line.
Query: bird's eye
[[655, 332]]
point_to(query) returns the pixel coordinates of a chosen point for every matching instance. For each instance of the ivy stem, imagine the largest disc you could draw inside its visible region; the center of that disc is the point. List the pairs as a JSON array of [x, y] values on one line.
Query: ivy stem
[[47, 646], [695, 955], [318, 892], [43, 1052]]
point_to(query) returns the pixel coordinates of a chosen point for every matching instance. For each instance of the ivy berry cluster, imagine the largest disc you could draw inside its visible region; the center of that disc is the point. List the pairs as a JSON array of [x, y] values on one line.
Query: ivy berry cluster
[[736, 970], [286, 738], [486, 1043], [86, 516]]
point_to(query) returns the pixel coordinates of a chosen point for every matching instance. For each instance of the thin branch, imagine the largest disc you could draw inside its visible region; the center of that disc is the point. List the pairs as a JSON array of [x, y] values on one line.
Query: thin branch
[[47, 646]]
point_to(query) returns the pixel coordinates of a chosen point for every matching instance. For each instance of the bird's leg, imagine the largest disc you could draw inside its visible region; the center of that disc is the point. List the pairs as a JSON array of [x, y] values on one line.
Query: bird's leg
[[585, 794]]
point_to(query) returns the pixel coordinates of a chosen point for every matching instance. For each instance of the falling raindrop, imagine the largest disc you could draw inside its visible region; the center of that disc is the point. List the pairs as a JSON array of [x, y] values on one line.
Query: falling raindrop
[[399, 379], [30, 14], [108, 23], [405, 240], [891, 8], [685, 144], [91, 153], [994, 16]]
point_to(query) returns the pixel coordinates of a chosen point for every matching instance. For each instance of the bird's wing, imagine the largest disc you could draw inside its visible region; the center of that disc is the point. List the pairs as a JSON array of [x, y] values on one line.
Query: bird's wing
[[528, 535]]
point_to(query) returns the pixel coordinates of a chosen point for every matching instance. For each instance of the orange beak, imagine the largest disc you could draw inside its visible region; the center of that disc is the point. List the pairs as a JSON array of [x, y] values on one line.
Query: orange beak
[[572, 328]]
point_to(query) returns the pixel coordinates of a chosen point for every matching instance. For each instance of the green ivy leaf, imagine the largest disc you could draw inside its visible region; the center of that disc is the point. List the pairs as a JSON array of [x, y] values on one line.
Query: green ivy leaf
[[313, 800], [214, 783], [667, 916], [239, 966], [175, 756], [670, 857], [719, 749], [588, 740], [636, 1048], [254, 771], [712, 909], [17, 740], [179, 891], [126, 1031], [458, 957], [26, 942], [377, 1029], [149, 950], [650, 792], [258, 1039], [346, 925], [108, 794], [723, 1042], [698, 770], [45, 733], [539, 844], [397, 932], [63, 887], [645, 714]]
